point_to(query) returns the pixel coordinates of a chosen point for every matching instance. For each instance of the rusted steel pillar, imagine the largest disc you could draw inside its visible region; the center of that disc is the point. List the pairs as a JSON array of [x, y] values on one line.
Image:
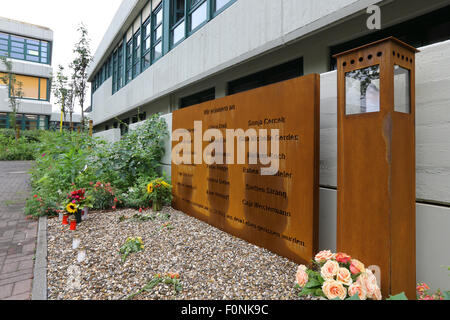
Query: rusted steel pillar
[[376, 161]]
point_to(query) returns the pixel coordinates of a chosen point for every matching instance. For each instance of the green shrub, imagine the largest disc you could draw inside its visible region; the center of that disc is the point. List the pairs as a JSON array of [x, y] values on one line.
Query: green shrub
[[22, 149], [68, 161], [137, 155]]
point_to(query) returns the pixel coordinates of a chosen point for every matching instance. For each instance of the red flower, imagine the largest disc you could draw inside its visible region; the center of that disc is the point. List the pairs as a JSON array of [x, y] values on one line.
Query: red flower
[[35, 195], [140, 210], [115, 200], [343, 258], [114, 207]]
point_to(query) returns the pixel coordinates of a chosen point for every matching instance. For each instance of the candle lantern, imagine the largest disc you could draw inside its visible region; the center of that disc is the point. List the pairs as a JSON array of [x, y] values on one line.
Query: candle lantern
[[76, 242], [81, 256], [65, 220], [376, 160], [73, 224]]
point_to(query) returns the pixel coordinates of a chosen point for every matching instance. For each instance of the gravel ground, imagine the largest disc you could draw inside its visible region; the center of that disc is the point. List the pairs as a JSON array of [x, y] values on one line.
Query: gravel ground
[[213, 265]]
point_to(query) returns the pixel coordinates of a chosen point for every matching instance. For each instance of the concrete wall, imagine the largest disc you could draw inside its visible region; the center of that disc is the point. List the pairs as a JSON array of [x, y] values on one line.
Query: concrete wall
[[112, 135], [432, 124], [29, 68], [25, 29], [26, 106], [232, 45]]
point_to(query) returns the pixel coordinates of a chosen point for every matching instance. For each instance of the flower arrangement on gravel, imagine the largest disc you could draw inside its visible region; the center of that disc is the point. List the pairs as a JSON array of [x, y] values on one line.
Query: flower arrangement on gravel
[[160, 193], [132, 245], [80, 199], [169, 278], [336, 276]]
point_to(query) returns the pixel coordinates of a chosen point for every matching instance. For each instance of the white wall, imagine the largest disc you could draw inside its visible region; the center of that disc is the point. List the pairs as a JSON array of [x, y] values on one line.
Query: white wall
[[25, 29], [112, 135], [432, 124], [246, 29], [26, 106]]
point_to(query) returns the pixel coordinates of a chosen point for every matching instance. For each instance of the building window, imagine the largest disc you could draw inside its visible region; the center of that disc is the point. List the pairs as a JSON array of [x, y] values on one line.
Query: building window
[[129, 57], [178, 24], [23, 48], [146, 43], [4, 121], [114, 72], [157, 17], [219, 5], [33, 88], [24, 121], [197, 98], [285, 71], [137, 53], [120, 68], [146, 46], [198, 14]]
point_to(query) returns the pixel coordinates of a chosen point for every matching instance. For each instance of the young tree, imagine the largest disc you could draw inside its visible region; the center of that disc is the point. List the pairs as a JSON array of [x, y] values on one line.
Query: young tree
[[61, 91], [70, 103], [15, 91], [79, 66]]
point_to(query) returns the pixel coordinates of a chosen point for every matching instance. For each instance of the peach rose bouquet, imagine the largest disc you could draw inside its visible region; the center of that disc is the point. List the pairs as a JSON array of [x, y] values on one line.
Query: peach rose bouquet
[[337, 276]]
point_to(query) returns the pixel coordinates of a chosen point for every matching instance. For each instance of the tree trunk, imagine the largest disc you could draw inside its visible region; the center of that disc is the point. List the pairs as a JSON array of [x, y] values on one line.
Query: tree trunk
[[71, 123], [82, 113]]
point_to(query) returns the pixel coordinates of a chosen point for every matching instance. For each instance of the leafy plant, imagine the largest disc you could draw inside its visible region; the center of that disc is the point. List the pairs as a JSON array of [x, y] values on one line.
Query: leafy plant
[[132, 245], [41, 206], [170, 279], [103, 195]]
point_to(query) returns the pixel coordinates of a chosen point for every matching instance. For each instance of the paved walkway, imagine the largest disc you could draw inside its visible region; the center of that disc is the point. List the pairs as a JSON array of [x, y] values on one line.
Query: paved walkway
[[17, 235]]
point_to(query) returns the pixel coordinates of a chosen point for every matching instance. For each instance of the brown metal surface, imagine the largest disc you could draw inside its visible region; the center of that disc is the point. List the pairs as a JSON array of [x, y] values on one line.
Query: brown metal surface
[[279, 213], [376, 172]]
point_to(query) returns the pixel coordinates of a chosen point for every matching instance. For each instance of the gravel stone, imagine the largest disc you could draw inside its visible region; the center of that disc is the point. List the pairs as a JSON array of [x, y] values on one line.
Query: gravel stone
[[213, 265]]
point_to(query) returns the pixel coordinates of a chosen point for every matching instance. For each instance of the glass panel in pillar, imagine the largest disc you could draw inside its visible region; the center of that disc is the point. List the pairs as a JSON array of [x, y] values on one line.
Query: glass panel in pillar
[[362, 90], [402, 90]]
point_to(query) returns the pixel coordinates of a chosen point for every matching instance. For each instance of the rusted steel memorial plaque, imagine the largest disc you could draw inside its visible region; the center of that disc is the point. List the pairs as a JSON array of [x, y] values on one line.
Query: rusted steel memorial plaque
[[279, 211]]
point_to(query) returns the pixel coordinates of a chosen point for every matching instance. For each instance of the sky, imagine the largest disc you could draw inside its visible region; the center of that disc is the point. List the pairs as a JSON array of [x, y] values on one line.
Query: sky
[[63, 17]]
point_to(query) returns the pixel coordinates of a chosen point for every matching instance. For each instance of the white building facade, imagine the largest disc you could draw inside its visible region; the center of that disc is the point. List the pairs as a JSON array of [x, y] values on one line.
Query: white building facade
[[29, 47], [159, 56]]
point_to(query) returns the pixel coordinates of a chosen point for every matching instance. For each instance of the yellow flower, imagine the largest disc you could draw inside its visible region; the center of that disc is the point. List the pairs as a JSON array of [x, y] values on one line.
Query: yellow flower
[[142, 247], [140, 239], [165, 184], [150, 188], [72, 208]]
